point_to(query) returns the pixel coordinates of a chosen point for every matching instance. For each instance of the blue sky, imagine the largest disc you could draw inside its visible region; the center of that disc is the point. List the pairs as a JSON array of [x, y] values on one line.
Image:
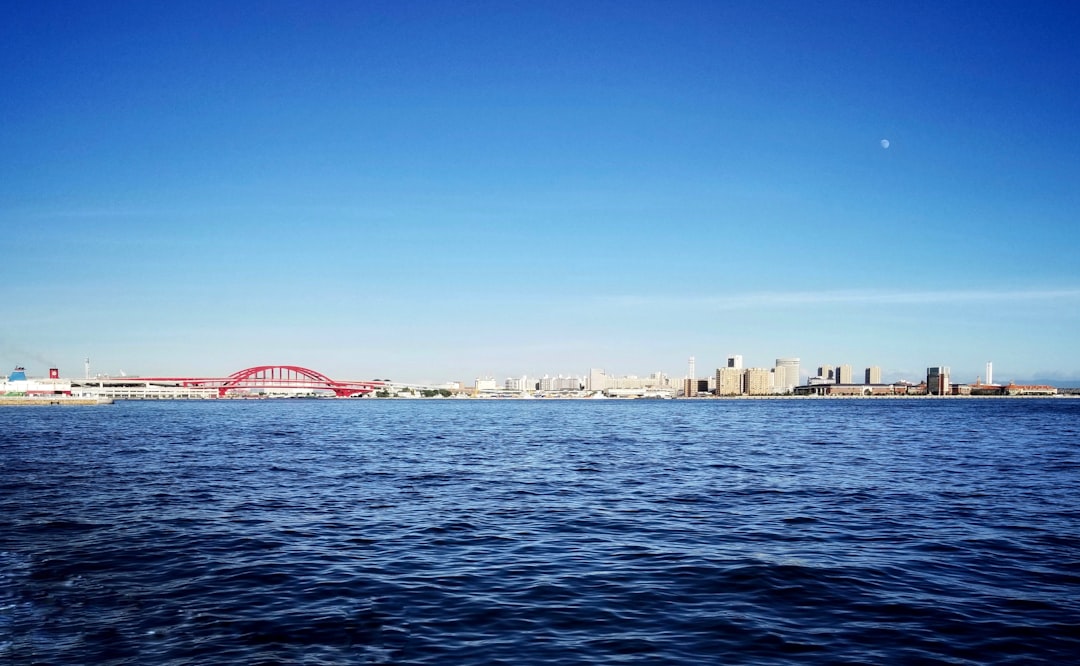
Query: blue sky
[[435, 191]]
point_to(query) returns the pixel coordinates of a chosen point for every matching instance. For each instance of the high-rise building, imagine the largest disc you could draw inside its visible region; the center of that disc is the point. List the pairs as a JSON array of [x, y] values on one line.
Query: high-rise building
[[735, 361], [873, 375], [827, 372], [598, 380], [560, 383], [517, 383], [757, 381], [844, 374], [729, 381], [937, 381], [786, 375], [989, 372]]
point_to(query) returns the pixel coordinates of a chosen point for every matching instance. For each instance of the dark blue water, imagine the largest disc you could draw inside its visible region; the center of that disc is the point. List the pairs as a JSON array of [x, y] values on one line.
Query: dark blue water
[[478, 532]]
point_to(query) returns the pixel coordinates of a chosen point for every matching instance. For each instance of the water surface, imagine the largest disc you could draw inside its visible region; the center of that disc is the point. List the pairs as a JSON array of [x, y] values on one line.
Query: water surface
[[531, 532]]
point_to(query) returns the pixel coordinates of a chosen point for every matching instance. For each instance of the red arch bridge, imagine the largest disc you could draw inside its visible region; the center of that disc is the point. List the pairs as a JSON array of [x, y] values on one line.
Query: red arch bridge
[[258, 378]]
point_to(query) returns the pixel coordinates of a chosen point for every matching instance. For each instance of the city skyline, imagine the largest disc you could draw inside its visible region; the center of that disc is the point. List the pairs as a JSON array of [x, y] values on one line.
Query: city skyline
[[443, 191], [791, 367]]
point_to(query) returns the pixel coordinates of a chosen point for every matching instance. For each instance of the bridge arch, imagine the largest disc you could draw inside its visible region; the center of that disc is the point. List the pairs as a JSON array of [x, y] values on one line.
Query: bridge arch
[[290, 376]]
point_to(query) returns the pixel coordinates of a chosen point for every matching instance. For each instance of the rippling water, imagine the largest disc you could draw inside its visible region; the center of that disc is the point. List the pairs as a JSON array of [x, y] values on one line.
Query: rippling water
[[477, 532]]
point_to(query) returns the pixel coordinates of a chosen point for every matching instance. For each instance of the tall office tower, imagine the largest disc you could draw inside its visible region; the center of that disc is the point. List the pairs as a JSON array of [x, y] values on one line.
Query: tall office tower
[[786, 374], [689, 387], [873, 375], [756, 381], [937, 381], [729, 381], [844, 375], [734, 361], [598, 380], [691, 370], [989, 372], [826, 372]]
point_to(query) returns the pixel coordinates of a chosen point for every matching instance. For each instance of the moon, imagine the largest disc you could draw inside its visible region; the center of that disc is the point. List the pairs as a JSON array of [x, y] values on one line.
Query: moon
[[884, 143]]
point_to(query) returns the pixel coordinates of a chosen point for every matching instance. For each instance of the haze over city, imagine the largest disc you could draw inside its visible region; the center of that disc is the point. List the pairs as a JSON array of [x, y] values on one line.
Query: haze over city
[[440, 191]]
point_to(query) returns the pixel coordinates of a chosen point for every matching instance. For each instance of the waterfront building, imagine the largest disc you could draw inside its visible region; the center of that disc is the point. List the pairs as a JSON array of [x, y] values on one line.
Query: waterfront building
[[729, 381], [599, 381], [786, 375], [757, 381], [735, 361], [1028, 389], [560, 383], [844, 374], [570, 383], [486, 384], [827, 373], [873, 375], [937, 381], [632, 382], [694, 387], [834, 389], [517, 384]]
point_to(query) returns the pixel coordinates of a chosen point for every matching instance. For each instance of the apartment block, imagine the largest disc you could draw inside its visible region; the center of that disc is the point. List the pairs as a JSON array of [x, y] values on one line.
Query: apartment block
[[729, 381]]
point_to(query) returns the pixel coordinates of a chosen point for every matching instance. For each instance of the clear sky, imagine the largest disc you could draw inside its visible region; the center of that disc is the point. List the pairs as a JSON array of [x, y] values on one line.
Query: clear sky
[[432, 191]]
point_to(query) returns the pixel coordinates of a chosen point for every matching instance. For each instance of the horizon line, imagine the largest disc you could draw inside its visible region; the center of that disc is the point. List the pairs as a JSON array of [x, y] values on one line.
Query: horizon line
[[879, 296]]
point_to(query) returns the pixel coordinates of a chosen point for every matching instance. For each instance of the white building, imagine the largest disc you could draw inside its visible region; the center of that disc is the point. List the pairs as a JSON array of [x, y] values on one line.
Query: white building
[[18, 383], [786, 375], [598, 380], [486, 384], [560, 383], [517, 384]]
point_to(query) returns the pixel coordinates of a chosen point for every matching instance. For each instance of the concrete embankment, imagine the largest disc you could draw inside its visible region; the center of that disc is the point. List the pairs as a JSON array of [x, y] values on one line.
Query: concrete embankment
[[36, 400]]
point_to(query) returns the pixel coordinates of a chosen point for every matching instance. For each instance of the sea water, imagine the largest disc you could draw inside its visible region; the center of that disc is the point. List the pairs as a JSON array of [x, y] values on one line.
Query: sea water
[[531, 532]]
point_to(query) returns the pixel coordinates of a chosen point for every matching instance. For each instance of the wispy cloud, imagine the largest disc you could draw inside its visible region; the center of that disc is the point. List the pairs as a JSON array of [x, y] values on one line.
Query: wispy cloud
[[767, 299]]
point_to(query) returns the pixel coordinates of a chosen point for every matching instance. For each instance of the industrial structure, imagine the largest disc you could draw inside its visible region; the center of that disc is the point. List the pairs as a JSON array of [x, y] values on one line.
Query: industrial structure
[[258, 380]]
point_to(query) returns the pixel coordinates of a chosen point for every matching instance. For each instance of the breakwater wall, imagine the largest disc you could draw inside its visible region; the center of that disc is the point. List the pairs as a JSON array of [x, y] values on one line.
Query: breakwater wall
[[36, 400]]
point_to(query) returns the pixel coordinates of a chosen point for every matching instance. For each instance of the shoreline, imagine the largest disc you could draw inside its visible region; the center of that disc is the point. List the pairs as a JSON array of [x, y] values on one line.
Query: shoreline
[[83, 401], [39, 401]]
